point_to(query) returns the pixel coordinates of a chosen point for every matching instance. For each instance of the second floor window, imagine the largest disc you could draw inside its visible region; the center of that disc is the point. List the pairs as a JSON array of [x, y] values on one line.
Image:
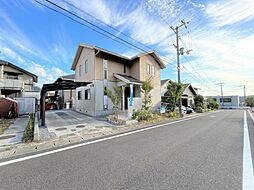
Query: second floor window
[[86, 66], [105, 68], [150, 69], [80, 70]]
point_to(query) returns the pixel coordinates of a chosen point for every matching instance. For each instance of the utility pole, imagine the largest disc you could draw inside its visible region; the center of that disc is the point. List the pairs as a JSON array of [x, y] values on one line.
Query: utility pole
[[221, 91], [178, 52], [244, 93]]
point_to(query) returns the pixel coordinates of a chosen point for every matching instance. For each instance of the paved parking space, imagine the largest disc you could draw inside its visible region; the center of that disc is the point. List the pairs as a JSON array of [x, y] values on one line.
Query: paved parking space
[[69, 122]]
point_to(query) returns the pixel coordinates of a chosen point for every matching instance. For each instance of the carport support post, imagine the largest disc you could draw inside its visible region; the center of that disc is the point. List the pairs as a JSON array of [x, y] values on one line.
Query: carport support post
[[42, 106]]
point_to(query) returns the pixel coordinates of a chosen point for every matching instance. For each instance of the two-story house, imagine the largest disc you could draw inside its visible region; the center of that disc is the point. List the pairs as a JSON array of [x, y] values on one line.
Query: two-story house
[[15, 81], [106, 69]]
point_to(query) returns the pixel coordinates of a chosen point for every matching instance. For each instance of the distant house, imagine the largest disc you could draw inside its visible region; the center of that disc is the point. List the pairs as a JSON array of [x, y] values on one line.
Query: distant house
[[230, 102], [106, 69], [66, 98], [15, 81], [188, 94]]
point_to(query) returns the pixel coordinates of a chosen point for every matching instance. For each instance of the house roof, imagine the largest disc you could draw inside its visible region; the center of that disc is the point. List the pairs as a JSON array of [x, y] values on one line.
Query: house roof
[[101, 50], [35, 77], [127, 78], [66, 78], [164, 81], [191, 87]]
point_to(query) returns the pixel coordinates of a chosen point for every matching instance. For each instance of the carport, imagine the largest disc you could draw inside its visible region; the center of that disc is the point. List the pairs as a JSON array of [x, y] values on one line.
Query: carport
[[61, 85]]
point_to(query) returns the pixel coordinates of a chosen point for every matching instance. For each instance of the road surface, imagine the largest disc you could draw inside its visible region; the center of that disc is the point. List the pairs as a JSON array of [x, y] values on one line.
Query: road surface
[[200, 153]]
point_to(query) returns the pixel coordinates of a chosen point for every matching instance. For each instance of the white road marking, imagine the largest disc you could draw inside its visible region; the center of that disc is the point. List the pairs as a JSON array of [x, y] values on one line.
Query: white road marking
[[92, 142], [248, 176]]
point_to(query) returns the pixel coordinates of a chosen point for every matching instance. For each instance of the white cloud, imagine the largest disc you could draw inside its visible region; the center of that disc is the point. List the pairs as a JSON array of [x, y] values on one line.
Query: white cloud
[[7, 52], [230, 11]]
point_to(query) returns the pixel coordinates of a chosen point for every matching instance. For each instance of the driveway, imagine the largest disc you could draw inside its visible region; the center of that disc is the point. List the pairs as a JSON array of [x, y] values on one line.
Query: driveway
[[69, 122], [14, 133]]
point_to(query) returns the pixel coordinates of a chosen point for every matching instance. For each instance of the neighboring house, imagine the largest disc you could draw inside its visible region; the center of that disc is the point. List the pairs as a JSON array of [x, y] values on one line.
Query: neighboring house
[[15, 81], [106, 69], [230, 102], [188, 94], [66, 98]]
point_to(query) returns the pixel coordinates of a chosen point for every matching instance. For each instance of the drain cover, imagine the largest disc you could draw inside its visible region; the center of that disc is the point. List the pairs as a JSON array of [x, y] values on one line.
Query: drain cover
[[80, 126], [61, 129], [7, 137]]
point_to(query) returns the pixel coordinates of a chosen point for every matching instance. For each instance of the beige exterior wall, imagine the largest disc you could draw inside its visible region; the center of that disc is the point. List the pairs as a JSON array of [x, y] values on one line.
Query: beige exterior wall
[[156, 92], [89, 55], [135, 69]]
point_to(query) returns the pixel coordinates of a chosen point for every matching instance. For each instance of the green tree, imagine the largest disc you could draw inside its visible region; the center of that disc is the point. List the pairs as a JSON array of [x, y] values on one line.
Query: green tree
[[147, 87], [115, 97], [250, 101], [173, 94], [199, 101], [212, 104]]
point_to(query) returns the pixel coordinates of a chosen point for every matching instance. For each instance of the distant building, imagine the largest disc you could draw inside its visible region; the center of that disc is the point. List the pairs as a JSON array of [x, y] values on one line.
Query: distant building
[[15, 81], [188, 93], [66, 98], [230, 102]]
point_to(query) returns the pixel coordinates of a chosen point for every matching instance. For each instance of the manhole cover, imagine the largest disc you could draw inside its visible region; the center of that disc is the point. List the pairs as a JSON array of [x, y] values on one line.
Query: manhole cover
[[61, 129], [7, 137], [80, 126]]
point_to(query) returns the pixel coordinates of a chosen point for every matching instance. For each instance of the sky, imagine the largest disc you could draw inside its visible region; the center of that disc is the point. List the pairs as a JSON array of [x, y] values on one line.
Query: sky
[[220, 35]]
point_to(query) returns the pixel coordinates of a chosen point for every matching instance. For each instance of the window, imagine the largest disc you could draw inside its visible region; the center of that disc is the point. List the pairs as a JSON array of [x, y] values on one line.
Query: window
[[225, 99], [153, 70], [86, 66], [148, 69], [79, 95], [105, 68], [87, 94], [124, 68], [80, 70], [105, 99]]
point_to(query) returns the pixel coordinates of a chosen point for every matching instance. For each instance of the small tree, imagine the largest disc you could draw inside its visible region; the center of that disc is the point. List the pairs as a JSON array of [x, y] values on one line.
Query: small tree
[[115, 97], [199, 101], [212, 104], [250, 101], [146, 88], [174, 93]]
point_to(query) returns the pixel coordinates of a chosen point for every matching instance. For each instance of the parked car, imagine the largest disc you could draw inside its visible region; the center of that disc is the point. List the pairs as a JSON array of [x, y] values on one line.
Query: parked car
[[51, 106], [189, 110], [184, 110]]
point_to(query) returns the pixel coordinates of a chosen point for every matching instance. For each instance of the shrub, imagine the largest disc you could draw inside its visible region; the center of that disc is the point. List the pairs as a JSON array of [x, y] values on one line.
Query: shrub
[[199, 101], [199, 110], [115, 120], [142, 115], [29, 131], [212, 104], [171, 114]]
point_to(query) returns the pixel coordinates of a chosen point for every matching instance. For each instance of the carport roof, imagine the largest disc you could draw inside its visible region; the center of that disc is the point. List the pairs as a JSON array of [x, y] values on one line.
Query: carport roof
[[64, 85]]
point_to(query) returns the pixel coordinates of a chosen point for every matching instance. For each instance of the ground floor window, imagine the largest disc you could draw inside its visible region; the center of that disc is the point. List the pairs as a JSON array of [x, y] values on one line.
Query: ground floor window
[[105, 99], [79, 95], [87, 94]]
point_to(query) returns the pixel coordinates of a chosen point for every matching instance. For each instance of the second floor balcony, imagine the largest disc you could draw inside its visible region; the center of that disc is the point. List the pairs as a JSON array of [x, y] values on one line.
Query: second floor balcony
[[11, 84]]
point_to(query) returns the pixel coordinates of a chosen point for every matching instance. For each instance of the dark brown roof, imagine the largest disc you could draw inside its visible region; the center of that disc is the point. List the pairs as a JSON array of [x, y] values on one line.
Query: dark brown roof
[[129, 78]]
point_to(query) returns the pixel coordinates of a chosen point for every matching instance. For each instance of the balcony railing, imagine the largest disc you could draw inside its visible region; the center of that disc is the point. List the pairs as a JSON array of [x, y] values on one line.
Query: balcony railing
[[11, 84]]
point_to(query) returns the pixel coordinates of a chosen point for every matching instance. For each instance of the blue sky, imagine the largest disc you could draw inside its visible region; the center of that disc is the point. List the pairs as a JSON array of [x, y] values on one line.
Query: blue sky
[[220, 34]]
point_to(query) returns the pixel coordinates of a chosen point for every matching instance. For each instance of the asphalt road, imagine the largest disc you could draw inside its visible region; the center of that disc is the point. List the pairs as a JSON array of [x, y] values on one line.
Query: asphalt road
[[201, 153]]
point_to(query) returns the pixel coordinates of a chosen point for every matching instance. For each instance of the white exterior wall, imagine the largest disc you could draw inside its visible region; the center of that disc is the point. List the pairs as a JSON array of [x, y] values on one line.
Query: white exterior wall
[[233, 104]]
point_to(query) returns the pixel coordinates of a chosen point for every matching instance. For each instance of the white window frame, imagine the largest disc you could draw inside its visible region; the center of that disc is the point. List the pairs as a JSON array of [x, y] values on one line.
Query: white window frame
[[88, 92], [86, 66], [105, 69]]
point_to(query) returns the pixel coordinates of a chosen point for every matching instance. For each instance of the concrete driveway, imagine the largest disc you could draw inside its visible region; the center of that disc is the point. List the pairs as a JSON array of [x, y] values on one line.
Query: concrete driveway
[[69, 122]]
